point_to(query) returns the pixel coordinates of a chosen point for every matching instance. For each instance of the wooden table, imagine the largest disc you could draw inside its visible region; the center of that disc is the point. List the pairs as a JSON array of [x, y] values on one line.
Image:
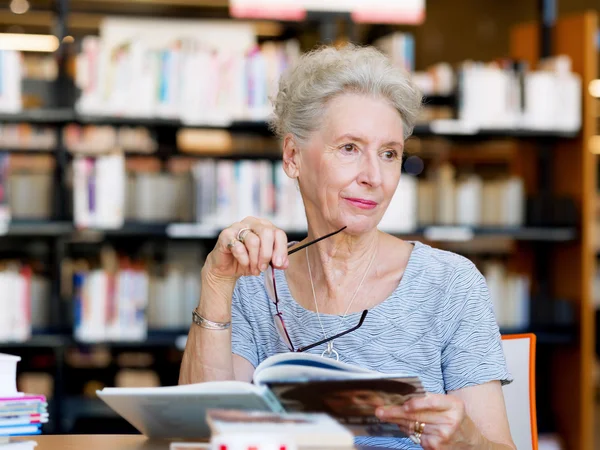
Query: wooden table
[[106, 442], [95, 442]]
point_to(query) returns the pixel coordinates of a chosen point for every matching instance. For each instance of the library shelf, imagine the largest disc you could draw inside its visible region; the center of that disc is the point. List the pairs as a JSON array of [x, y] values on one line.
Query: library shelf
[[442, 233], [261, 127], [254, 126], [207, 231], [45, 340], [28, 151], [66, 115], [156, 338], [42, 228], [176, 337], [427, 130], [40, 116], [526, 233]]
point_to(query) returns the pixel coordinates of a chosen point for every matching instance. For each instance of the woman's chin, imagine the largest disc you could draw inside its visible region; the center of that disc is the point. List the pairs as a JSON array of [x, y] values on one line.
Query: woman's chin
[[360, 226]]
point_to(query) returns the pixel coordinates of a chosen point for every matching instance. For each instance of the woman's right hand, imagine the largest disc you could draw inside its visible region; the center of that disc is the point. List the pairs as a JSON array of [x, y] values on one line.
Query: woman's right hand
[[264, 244]]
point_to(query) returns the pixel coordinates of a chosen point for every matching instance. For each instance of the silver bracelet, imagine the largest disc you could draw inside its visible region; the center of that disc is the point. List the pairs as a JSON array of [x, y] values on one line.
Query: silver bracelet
[[208, 324]]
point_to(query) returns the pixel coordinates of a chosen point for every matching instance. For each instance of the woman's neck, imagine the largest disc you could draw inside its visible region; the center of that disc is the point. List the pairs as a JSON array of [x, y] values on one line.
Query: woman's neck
[[337, 265]]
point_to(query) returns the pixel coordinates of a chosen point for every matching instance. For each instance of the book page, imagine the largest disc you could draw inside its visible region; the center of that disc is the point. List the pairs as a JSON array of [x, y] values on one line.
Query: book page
[[175, 412], [351, 402], [213, 387], [305, 366]]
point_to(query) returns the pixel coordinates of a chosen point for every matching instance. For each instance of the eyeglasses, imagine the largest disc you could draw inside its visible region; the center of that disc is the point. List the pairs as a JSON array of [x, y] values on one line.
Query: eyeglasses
[[271, 286]]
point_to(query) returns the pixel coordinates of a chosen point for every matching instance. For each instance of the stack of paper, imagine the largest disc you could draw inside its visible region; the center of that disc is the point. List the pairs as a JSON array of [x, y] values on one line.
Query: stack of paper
[[20, 414]]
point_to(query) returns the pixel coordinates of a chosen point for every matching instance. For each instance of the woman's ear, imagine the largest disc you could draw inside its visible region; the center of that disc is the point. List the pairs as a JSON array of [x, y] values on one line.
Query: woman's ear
[[291, 157]]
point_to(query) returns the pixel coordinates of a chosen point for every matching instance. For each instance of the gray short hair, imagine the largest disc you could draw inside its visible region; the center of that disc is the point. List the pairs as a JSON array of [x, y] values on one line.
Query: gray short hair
[[326, 72]]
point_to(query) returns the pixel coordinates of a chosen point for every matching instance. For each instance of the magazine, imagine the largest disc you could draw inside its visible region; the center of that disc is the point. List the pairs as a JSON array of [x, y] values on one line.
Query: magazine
[[283, 383]]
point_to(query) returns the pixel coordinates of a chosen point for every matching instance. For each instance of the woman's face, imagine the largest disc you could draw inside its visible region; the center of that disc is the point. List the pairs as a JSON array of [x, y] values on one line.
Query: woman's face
[[350, 168]]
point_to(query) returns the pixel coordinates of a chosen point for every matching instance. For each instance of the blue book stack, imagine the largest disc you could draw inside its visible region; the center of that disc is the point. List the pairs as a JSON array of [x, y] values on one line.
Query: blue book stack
[[20, 414]]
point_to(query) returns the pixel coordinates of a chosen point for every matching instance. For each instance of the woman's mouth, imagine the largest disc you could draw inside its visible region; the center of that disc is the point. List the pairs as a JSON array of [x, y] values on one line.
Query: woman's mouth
[[361, 203]]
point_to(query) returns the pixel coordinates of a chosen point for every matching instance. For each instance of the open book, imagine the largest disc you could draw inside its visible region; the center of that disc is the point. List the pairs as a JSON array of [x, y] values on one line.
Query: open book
[[288, 382]]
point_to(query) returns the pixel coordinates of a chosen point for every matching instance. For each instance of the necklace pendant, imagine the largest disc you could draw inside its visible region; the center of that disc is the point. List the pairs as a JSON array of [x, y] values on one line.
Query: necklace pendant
[[330, 352]]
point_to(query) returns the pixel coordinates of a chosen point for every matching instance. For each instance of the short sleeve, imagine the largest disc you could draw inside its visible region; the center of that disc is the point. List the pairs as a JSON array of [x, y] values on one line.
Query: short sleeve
[[242, 336], [473, 352]]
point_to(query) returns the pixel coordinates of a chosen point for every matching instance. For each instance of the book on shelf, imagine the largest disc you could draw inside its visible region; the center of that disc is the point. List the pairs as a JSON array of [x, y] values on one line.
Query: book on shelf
[[102, 139], [31, 186], [400, 48], [24, 301], [436, 80], [26, 136], [110, 303], [502, 94], [123, 298], [470, 200], [99, 191], [283, 383], [510, 294], [217, 192], [11, 74], [509, 95], [199, 72], [5, 215]]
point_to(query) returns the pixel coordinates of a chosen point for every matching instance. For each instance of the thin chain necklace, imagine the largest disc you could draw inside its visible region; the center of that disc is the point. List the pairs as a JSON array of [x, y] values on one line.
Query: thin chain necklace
[[331, 351]]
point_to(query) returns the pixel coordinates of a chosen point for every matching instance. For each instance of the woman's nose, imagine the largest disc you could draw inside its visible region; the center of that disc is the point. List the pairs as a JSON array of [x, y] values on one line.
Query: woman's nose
[[370, 172]]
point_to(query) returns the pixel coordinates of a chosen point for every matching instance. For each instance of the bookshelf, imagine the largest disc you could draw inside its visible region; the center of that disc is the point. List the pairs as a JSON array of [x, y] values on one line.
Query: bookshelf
[[572, 170], [558, 258]]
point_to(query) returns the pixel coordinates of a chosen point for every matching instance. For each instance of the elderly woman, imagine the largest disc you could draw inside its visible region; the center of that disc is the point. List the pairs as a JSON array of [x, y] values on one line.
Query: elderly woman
[[343, 116]]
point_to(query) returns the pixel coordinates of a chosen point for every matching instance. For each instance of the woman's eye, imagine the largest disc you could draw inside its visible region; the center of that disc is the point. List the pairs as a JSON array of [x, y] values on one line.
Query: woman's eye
[[349, 148], [390, 154]]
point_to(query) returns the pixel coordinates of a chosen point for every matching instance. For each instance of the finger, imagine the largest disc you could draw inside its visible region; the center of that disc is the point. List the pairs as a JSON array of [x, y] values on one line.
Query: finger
[[280, 258], [227, 237], [267, 238], [429, 402], [408, 427], [434, 421], [409, 411], [240, 253], [252, 243], [430, 430]]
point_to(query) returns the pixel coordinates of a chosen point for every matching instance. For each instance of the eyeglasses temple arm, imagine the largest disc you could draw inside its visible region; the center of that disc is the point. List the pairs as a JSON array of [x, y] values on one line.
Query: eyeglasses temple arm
[[360, 322], [297, 249]]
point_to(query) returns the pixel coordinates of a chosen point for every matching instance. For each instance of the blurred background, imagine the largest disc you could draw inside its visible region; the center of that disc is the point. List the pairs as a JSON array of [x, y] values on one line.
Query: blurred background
[[131, 132]]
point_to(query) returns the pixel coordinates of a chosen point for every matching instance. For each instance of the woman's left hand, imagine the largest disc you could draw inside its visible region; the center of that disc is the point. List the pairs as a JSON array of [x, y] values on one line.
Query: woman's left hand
[[446, 424]]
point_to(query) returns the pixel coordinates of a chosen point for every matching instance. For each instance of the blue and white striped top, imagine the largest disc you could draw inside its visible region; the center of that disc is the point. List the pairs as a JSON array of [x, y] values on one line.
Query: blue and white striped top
[[438, 323]]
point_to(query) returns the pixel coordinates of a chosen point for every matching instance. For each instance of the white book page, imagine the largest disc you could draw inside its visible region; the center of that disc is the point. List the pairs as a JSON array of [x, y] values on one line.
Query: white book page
[[294, 366], [294, 373], [180, 411], [212, 387], [285, 365]]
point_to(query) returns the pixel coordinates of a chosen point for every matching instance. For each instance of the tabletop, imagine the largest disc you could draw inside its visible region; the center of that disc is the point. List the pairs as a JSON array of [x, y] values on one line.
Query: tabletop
[[95, 442], [108, 442]]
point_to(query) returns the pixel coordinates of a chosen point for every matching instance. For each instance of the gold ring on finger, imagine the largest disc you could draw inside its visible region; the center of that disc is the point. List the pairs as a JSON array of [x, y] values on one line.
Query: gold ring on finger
[[242, 234], [419, 427]]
